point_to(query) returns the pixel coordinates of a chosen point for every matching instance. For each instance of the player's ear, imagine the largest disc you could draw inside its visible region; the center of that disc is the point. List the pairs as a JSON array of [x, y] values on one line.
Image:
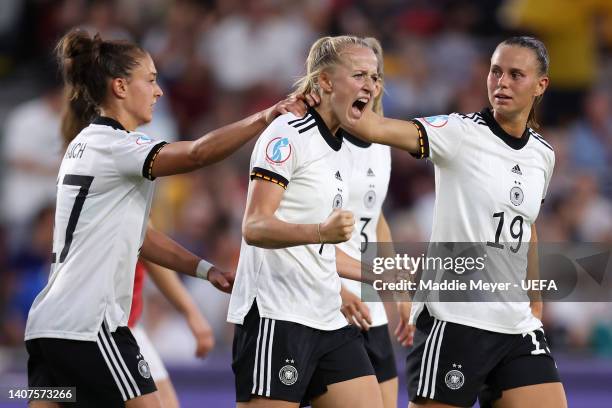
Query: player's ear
[[118, 87], [325, 83], [542, 85]]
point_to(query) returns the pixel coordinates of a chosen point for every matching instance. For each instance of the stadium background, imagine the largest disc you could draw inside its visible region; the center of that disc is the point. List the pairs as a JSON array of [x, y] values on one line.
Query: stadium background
[[219, 61]]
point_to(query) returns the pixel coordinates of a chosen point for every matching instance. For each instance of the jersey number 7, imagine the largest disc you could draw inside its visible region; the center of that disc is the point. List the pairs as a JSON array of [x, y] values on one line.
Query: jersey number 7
[[84, 182]]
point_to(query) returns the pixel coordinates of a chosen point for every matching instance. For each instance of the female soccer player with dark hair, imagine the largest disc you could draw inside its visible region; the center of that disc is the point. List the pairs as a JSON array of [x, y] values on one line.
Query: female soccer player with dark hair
[[76, 333], [492, 171]]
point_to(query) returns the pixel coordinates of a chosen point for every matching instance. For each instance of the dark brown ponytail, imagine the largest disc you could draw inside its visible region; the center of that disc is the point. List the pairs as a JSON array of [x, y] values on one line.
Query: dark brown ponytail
[[87, 65], [541, 54]]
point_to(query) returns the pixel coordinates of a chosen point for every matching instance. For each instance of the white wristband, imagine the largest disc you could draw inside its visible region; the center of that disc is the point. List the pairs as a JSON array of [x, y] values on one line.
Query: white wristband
[[203, 268]]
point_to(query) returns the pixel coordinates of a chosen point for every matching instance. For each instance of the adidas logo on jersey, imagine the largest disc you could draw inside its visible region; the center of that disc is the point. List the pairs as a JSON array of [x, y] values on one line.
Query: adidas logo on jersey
[[516, 169], [370, 173], [338, 176]]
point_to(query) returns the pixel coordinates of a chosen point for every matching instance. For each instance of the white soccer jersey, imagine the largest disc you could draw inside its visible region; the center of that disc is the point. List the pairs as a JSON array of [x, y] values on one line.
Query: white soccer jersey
[[301, 283], [104, 194], [368, 189], [489, 188]]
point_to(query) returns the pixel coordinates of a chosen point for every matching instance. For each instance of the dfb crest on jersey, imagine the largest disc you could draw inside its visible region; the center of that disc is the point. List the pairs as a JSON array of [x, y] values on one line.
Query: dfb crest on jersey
[[143, 369], [516, 195], [369, 199], [337, 201], [454, 379], [278, 150], [288, 375], [436, 121]]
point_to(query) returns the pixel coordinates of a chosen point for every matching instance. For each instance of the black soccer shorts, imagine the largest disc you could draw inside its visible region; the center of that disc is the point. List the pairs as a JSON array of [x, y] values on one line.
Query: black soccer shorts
[[451, 363], [380, 351], [106, 373], [288, 361]]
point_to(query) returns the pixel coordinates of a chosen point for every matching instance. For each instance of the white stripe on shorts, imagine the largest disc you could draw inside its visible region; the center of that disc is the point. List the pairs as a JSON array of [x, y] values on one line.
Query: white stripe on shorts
[[270, 357], [435, 372], [111, 367], [114, 365], [122, 362], [262, 357], [255, 364], [426, 359]]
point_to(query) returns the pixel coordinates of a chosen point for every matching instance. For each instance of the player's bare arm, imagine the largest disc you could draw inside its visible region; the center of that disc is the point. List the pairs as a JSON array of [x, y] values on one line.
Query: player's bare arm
[[182, 157], [533, 273], [162, 250], [261, 228], [378, 129]]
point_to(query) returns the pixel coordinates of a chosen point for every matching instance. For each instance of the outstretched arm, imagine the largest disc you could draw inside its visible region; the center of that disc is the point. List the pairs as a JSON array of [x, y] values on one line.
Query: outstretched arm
[[533, 273], [162, 250], [374, 128], [182, 157]]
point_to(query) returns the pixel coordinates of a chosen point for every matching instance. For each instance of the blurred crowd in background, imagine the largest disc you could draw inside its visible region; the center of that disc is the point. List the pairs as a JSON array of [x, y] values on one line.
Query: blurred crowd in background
[[219, 61]]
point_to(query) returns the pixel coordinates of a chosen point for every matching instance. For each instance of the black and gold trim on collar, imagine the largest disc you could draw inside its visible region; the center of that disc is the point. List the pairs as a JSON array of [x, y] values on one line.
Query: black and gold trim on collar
[[335, 142], [508, 139], [265, 174]]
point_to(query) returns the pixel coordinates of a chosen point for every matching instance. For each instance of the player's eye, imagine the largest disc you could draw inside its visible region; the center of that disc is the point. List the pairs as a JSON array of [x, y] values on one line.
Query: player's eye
[[359, 75]]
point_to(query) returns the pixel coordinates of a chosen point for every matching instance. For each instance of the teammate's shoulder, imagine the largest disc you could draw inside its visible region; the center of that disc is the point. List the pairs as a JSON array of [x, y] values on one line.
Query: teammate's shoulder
[[539, 140], [300, 124], [290, 126]]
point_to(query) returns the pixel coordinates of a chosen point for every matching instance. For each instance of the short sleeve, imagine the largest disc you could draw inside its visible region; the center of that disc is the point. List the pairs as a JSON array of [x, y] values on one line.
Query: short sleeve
[[440, 137], [549, 173], [274, 157], [135, 153]]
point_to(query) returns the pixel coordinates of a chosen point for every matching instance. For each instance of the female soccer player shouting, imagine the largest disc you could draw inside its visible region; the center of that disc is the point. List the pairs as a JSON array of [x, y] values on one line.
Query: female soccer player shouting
[[291, 341]]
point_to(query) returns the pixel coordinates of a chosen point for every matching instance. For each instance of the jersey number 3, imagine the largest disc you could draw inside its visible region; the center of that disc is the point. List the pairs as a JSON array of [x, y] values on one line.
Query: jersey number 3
[[84, 182]]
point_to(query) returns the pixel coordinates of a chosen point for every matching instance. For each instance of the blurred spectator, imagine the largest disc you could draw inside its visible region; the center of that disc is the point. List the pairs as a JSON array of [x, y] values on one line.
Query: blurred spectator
[[29, 272], [264, 43], [32, 149], [591, 137]]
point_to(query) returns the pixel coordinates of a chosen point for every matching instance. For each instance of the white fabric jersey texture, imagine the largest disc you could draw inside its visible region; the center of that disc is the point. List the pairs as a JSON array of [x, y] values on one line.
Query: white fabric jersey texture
[[299, 284], [480, 173], [104, 194], [367, 191]]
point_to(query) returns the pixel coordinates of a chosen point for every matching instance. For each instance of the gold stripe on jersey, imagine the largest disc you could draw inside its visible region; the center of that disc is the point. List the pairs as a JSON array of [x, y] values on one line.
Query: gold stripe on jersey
[[423, 147], [270, 176], [147, 168]]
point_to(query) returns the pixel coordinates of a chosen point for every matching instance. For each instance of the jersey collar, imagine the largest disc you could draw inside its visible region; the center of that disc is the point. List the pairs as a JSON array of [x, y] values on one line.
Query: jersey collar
[[511, 141], [106, 121], [335, 142], [357, 142]]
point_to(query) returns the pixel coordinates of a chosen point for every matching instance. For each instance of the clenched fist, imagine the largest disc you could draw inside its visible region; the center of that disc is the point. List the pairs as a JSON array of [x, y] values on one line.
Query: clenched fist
[[338, 227]]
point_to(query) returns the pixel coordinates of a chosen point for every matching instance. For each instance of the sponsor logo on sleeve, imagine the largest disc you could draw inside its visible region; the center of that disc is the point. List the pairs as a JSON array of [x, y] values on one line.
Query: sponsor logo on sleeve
[[143, 139], [436, 121], [278, 150]]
